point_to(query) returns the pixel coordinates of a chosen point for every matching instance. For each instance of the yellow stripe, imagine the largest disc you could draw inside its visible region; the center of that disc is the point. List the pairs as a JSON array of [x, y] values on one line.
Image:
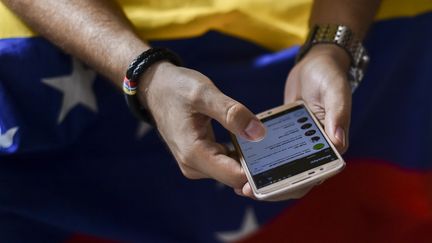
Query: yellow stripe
[[11, 26], [273, 24]]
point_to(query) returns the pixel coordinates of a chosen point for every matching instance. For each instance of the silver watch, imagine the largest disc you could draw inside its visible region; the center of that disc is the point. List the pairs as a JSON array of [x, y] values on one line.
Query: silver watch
[[343, 37]]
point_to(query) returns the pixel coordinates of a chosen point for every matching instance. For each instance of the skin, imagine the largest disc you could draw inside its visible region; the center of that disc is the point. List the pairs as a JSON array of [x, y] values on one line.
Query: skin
[[320, 78], [106, 40]]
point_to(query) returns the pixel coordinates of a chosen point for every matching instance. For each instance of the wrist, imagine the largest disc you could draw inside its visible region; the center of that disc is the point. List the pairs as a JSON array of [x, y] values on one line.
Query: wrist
[[144, 68], [147, 79], [336, 53]]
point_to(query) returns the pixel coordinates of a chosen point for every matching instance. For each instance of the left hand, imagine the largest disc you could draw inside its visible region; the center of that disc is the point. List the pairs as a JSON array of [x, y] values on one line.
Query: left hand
[[320, 80]]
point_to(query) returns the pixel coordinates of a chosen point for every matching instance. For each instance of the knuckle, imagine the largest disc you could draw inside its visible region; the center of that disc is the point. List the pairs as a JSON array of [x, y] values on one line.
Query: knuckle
[[237, 184], [185, 167], [197, 93], [183, 160], [238, 178], [239, 173], [189, 157], [232, 112], [191, 175]]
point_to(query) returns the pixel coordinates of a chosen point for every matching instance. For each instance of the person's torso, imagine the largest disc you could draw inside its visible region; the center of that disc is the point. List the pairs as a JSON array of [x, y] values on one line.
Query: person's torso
[[274, 24]]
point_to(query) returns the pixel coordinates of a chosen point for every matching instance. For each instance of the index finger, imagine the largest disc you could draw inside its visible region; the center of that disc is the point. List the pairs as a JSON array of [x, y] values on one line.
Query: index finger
[[213, 161]]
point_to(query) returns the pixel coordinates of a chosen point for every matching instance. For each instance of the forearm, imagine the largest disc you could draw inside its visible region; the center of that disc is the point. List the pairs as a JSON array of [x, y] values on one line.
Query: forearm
[[96, 31], [356, 14]]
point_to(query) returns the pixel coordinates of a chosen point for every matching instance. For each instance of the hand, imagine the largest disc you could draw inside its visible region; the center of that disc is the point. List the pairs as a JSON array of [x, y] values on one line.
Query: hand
[[320, 79], [183, 102]]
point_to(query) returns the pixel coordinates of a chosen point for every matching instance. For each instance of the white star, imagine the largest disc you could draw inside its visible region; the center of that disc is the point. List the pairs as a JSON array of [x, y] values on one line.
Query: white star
[[142, 130], [76, 89], [249, 226], [6, 140]]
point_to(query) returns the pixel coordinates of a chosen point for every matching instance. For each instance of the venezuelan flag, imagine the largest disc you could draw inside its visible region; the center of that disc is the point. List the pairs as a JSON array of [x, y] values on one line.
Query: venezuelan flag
[[76, 167]]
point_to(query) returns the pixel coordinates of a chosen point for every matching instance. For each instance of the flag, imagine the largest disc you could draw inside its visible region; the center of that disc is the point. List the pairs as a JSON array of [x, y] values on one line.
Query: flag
[[79, 165], [75, 166]]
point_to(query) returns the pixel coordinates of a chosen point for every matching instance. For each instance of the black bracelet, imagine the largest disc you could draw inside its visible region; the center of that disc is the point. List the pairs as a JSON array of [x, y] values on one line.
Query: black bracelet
[[135, 70]]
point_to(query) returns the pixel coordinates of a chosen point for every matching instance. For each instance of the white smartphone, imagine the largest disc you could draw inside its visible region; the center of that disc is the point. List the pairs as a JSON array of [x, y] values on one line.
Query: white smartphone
[[295, 152]]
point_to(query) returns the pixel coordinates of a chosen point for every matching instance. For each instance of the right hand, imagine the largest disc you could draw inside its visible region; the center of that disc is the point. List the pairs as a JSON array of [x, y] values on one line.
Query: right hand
[[183, 102]]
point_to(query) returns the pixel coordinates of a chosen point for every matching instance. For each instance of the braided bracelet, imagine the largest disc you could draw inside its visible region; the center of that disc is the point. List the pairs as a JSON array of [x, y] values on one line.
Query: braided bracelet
[[135, 70]]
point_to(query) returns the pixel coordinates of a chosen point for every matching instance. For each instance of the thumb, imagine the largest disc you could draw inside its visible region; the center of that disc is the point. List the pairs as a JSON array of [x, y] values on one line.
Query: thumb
[[232, 115], [337, 105]]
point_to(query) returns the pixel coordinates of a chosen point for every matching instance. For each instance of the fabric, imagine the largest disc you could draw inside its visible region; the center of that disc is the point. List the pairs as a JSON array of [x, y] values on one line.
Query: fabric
[[273, 24], [76, 167], [99, 171]]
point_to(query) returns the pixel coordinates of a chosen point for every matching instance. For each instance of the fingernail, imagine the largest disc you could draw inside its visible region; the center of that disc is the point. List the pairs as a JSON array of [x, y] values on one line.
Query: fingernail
[[255, 130], [340, 135]]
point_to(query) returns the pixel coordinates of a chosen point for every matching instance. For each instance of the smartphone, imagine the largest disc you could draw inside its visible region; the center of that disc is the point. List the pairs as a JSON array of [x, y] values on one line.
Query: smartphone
[[295, 152]]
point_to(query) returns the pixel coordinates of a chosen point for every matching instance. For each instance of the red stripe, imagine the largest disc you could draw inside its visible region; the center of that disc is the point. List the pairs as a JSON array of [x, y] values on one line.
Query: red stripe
[[371, 201], [88, 239]]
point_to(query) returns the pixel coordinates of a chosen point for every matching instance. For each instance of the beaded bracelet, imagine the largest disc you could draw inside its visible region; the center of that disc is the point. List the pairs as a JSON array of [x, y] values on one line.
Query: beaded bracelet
[[135, 70]]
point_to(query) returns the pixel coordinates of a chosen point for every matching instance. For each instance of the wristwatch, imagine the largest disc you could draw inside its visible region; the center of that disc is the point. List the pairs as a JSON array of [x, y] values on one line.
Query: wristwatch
[[343, 37]]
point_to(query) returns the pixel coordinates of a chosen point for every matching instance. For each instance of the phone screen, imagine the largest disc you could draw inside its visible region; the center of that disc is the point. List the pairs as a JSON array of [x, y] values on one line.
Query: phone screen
[[293, 144]]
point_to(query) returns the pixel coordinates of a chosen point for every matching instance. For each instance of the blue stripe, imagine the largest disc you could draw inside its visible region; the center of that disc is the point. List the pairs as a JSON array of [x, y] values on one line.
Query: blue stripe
[[88, 174], [392, 110]]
